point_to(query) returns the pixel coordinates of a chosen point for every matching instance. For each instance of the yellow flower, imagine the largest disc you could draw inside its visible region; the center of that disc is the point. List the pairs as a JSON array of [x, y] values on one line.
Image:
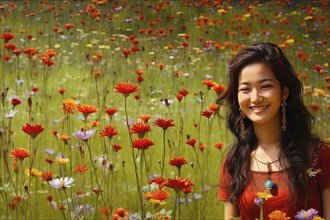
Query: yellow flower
[[34, 172], [278, 215], [264, 195], [62, 160]]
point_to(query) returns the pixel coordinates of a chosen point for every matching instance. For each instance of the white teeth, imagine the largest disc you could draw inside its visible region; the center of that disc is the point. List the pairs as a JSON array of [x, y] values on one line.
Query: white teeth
[[258, 108]]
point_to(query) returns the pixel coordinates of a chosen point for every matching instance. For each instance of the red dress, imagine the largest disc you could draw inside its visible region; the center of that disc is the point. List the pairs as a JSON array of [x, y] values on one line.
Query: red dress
[[282, 199]]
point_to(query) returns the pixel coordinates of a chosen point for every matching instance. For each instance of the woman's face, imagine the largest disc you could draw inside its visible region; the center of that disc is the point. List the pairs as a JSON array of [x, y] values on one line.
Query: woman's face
[[260, 94]]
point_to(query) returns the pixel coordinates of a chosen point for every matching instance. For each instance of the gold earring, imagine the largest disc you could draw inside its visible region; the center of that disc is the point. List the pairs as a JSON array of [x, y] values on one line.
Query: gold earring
[[283, 104]]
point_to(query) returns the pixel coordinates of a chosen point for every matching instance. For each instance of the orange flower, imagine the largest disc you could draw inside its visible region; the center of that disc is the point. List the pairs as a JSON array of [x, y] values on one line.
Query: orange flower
[[142, 144], [19, 153], [160, 122], [178, 183], [47, 176], [86, 109], [159, 195], [158, 180], [104, 210], [209, 83], [277, 215], [177, 161], [109, 131], [126, 88], [121, 213], [140, 129], [214, 107], [81, 168], [32, 130], [65, 138], [69, 105], [145, 118]]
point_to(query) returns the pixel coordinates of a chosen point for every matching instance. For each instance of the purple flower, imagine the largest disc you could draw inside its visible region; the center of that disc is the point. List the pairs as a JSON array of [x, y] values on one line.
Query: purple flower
[[258, 201], [306, 215], [84, 135]]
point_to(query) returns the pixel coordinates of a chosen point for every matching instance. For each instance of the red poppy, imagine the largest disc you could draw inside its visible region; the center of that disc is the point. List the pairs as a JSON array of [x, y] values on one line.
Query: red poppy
[[209, 83], [145, 118], [15, 101], [179, 97], [7, 37], [86, 109], [47, 176], [35, 89], [187, 190], [50, 198], [126, 88], [81, 168], [142, 144], [116, 147], [160, 122], [61, 91], [32, 130], [314, 107], [109, 131], [17, 52], [178, 183], [140, 129], [219, 145], [191, 142], [19, 153], [50, 161], [68, 26], [183, 92], [6, 58], [177, 161], [207, 113], [10, 46]]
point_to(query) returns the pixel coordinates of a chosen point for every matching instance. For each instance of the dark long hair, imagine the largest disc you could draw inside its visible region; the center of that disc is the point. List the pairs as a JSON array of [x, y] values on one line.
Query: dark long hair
[[298, 136]]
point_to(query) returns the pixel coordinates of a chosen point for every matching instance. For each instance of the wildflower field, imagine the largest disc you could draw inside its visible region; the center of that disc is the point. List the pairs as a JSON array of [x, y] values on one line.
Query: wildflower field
[[108, 108]]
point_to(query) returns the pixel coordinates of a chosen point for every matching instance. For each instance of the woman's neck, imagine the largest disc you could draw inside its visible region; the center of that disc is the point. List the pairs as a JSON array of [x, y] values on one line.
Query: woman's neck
[[269, 137]]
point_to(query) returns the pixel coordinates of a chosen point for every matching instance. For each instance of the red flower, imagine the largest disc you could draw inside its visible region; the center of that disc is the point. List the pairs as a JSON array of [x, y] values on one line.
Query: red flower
[[140, 129], [218, 88], [47, 176], [126, 88], [111, 111], [179, 97], [177, 161], [314, 107], [86, 109], [191, 142], [61, 91], [202, 147], [32, 130], [15, 101], [178, 183], [183, 92], [219, 145], [142, 144], [35, 89], [158, 180], [207, 113], [7, 37], [116, 147], [81, 168], [209, 83], [160, 122], [109, 131], [19, 153], [214, 107]]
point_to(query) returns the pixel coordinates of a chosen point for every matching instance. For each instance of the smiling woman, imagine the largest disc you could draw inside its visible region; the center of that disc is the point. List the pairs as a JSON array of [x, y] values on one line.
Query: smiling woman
[[265, 169]]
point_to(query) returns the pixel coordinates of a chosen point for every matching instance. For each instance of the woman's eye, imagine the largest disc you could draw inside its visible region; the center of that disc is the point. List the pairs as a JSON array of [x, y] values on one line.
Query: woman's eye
[[266, 86], [243, 89]]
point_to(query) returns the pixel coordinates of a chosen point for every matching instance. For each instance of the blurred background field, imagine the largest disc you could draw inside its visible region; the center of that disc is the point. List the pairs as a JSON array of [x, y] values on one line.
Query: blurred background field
[[171, 50]]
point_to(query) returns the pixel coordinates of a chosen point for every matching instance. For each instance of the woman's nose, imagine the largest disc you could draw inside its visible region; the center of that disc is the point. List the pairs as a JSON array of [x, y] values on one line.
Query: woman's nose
[[255, 96]]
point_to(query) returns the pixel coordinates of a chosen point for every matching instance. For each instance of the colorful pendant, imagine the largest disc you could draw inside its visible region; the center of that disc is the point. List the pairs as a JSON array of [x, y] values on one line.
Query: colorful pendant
[[269, 184]]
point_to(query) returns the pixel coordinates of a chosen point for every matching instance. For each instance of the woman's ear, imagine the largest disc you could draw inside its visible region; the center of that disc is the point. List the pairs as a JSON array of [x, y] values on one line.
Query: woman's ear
[[285, 93]]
